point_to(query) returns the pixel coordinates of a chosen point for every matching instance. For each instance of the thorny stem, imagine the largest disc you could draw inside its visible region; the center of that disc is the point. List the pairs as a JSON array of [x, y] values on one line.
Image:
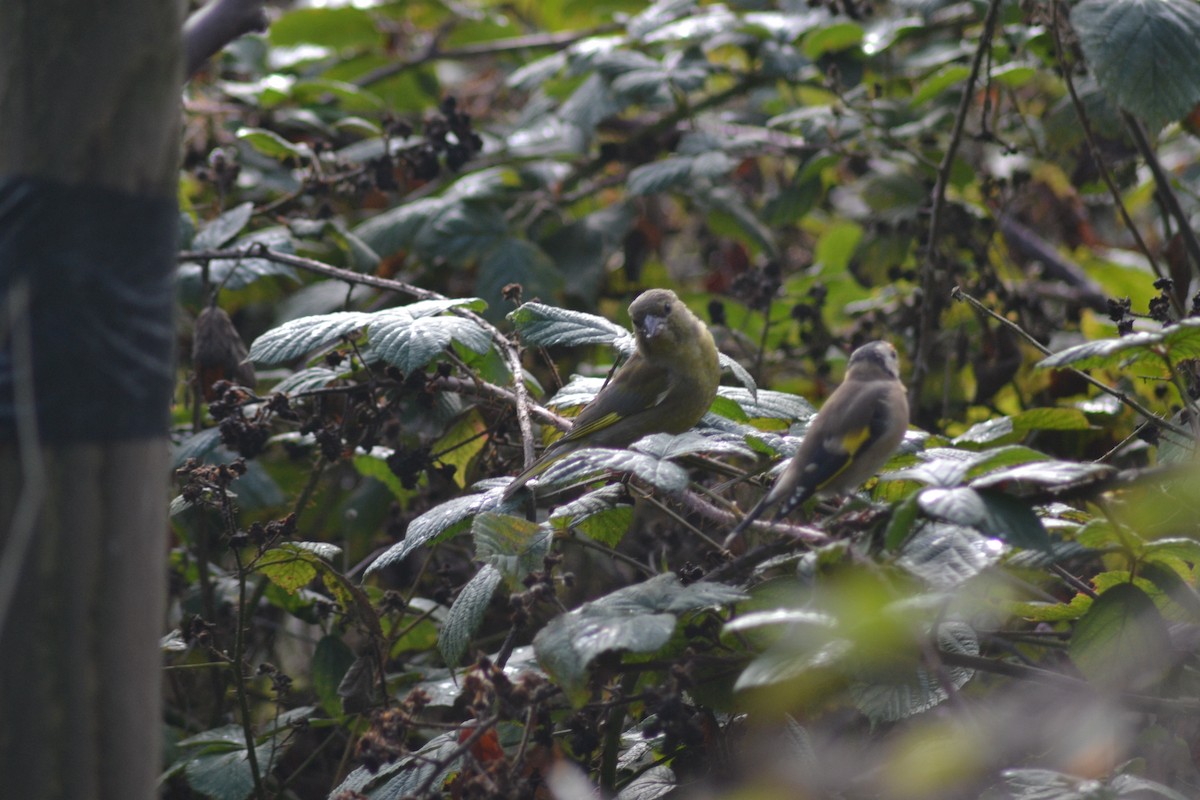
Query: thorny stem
[[931, 306], [1151, 417]]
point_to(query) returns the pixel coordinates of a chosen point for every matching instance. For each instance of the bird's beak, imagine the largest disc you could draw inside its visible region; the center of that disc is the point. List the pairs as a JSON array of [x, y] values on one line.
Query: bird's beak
[[652, 324]]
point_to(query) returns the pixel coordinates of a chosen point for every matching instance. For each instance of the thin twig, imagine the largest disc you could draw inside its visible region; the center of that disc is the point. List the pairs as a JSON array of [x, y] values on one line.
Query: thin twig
[[1165, 192], [1153, 705], [217, 24], [931, 306], [1151, 417], [555, 41]]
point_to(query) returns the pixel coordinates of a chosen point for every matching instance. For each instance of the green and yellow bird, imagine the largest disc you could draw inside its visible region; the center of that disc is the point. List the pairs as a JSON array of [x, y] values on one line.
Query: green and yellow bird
[[856, 431], [666, 386]]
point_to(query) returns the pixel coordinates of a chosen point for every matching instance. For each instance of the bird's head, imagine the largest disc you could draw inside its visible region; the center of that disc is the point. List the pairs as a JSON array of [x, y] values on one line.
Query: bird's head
[[873, 358], [655, 314]]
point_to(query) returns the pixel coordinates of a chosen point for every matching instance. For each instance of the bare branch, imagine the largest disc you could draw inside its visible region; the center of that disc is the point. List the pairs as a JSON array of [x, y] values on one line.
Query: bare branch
[[216, 25]]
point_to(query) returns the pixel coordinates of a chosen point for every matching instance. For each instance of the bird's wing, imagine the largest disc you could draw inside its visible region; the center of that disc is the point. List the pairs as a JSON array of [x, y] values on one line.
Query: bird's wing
[[613, 413], [831, 444]]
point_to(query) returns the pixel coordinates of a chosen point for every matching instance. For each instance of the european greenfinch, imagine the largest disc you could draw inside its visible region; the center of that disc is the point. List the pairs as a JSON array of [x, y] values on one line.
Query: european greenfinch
[[666, 386], [856, 431]]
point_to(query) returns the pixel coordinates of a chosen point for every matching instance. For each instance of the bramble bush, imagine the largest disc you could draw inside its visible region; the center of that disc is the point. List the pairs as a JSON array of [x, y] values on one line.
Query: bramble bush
[[427, 219]]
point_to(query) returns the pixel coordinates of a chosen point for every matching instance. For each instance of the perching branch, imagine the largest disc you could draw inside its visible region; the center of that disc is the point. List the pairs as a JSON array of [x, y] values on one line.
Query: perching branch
[[216, 25]]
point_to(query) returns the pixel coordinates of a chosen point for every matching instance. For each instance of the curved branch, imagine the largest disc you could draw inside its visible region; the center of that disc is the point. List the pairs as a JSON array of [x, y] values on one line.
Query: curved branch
[[216, 25]]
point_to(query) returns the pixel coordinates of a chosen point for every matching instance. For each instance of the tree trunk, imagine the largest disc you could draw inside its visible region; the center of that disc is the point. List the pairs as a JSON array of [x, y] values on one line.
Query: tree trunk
[[89, 96]]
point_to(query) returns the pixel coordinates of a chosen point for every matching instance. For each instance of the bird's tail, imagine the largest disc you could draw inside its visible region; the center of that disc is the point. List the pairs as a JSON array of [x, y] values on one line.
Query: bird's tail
[[733, 542], [534, 469]]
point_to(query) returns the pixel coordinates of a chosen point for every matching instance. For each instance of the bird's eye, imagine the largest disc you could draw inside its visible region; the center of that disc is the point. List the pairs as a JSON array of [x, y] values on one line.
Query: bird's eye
[[666, 308]]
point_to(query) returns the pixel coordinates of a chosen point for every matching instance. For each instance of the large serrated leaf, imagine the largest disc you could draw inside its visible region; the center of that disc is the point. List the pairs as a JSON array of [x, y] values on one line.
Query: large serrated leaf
[[638, 619], [299, 337], [548, 326], [439, 522], [945, 555], [1143, 53], [409, 343], [598, 515], [513, 545], [593, 461], [1180, 341], [764, 404], [666, 445], [1122, 641], [1040, 475], [467, 613], [397, 229], [889, 698], [991, 513], [405, 775]]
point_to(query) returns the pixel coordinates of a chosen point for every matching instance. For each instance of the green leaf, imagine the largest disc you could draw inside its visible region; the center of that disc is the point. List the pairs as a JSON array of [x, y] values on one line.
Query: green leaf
[[513, 545], [764, 404], [638, 619], [330, 27], [441, 522], [307, 380], [299, 337], [598, 515], [945, 555], [514, 260], [1170, 583], [1143, 53], [741, 373], [1180, 341], [272, 144], [939, 82], [674, 172], [666, 445], [548, 326], [991, 513], [409, 341], [831, 38], [407, 774], [288, 567], [331, 659], [1041, 475], [901, 694], [591, 462], [403, 335], [222, 229], [1122, 641], [466, 614]]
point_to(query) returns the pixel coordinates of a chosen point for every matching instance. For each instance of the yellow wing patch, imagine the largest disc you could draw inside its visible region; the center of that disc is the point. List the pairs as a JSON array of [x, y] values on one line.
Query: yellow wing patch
[[595, 425], [852, 441]]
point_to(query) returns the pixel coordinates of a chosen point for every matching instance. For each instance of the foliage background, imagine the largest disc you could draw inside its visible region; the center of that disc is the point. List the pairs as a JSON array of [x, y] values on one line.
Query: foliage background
[[403, 205]]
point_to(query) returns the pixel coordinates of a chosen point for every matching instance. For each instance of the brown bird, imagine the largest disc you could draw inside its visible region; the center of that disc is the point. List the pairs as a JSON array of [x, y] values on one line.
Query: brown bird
[[665, 387]]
